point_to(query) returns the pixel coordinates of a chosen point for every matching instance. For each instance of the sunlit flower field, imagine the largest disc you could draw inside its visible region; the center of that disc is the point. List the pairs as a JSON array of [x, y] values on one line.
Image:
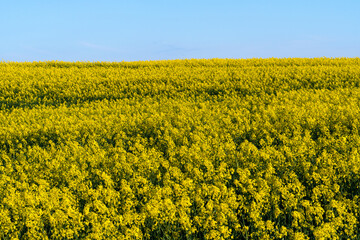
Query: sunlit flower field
[[180, 149]]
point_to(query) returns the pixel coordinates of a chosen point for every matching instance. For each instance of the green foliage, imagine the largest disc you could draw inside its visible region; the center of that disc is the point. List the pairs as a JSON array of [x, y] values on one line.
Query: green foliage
[[184, 149]]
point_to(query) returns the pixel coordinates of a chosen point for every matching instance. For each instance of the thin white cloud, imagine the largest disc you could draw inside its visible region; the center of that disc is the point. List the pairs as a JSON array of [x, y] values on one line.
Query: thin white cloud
[[165, 47], [97, 46]]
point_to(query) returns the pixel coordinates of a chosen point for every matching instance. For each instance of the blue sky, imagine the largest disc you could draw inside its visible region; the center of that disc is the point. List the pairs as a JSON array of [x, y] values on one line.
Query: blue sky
[[109, 30]]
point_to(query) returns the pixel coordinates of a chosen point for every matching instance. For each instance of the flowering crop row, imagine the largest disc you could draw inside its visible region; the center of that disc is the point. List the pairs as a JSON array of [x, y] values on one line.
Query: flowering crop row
[[183, 149]]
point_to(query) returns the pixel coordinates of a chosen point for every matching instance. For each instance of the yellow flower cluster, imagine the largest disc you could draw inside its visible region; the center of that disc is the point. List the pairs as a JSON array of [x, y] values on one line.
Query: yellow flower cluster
[[181, 149]]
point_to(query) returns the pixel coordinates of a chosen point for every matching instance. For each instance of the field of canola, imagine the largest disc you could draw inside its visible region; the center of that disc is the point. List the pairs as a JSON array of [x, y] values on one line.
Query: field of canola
[[180, 149]]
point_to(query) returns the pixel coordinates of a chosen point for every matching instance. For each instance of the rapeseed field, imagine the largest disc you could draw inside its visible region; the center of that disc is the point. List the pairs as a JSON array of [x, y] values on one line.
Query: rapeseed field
[[180, 149]]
